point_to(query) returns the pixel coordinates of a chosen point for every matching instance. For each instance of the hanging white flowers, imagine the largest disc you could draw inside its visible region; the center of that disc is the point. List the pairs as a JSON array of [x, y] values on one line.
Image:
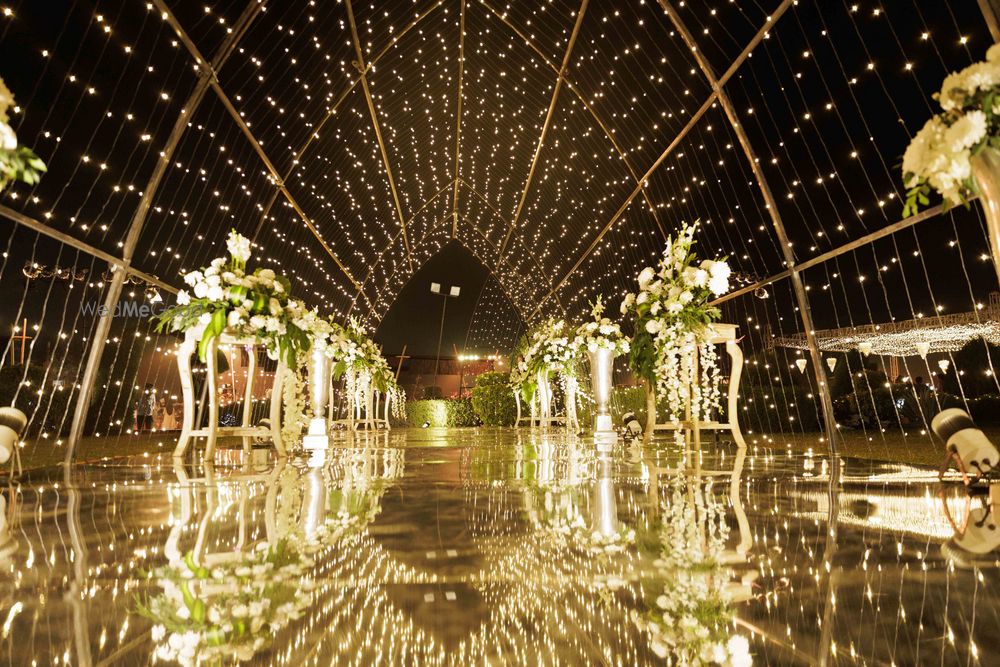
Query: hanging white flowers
[[671, 348]]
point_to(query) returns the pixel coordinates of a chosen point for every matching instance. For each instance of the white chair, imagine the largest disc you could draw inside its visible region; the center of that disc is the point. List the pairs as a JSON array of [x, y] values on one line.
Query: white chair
[[213, 431]]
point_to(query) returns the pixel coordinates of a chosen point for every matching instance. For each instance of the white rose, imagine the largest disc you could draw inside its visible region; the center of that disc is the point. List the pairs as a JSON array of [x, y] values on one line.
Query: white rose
[[720, 270], [641, 298], [653, 326], [215, 293], [200, 290], [235, 318], [8, 140], [967, 131], [718, 285], [274, 306], [193, 278], [700, 278], [183, 298]]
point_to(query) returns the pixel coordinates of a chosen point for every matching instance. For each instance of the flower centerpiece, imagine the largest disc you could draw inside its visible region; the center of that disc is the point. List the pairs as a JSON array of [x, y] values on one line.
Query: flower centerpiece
[[939, 155], [17, 163], [603, 341], [956, 152], [358, 359], [252, 305], [670, 349], [601, 333], [552, 348]]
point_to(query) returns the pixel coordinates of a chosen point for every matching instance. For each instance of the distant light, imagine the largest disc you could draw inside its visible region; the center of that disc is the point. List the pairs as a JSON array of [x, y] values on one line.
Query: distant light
[[436, 288], [455, 291], [426, 424]]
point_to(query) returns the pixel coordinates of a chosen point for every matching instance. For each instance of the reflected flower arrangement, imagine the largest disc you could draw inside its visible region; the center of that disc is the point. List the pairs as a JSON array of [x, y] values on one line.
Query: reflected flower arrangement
[[690, 619], [233, 608], [231, 605]]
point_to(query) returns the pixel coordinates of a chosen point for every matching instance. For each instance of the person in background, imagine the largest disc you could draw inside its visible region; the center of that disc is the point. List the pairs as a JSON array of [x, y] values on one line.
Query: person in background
[[144, 409], [169, 422]]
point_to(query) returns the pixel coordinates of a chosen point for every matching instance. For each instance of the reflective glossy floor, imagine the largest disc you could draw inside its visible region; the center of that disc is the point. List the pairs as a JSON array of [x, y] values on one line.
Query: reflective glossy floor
[[479, 546]]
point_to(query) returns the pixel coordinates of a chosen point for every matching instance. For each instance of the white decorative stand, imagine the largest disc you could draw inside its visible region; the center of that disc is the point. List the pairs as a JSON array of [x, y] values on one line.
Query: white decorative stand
[[601, 379], [318, 436], [570, 385], [721, 334], [362, 404], [213, 430]]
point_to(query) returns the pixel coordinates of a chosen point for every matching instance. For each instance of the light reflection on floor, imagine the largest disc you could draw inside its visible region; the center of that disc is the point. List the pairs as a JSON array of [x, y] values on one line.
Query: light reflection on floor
[[496, 546]]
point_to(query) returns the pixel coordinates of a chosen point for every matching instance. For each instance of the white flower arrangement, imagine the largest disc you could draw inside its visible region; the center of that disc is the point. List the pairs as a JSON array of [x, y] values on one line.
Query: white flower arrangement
[[601, 333], [259, 304], [938, 156], [673, 319], [17, 163], [690, 619]]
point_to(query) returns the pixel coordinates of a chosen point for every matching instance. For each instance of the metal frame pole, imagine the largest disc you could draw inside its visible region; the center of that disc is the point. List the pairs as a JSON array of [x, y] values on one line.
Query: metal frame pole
[[120, 269]]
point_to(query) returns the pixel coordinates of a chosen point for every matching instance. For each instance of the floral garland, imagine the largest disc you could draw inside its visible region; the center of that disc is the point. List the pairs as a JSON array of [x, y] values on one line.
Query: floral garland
[[938, 155], [17, 163], [671, 346], [691, 619], [227, 297], [294, 399], [601, 333]]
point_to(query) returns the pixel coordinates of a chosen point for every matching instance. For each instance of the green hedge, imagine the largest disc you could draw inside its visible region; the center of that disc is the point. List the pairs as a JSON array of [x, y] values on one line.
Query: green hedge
[[493, 400], [441, 412]]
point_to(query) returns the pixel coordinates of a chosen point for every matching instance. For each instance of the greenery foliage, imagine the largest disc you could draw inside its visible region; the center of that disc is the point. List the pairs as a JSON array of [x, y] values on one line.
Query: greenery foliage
[[493, 401], [441, 412]]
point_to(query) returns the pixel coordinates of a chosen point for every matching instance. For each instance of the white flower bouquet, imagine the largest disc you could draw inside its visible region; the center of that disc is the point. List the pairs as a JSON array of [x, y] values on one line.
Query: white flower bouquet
[[258, 304], [938, 156], [672, 322], [601, 333], [17, 163]]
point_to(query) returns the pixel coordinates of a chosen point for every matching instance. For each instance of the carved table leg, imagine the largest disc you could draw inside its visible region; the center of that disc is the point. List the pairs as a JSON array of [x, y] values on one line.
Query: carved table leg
[[187, 394], [248, 396], [213, 398], [736, 357]]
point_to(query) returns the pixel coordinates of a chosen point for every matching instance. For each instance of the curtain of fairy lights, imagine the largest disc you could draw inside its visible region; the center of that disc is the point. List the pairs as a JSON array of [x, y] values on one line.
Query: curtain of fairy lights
[[559, 142]]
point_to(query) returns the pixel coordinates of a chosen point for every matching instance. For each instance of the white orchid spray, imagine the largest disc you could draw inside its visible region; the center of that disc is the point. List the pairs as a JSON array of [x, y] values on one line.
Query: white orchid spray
[[259, 304], [670, 348], [938, 156]]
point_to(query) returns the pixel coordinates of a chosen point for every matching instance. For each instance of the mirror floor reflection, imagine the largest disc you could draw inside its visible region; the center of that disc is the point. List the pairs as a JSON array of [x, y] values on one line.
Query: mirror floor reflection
[[497, 546]]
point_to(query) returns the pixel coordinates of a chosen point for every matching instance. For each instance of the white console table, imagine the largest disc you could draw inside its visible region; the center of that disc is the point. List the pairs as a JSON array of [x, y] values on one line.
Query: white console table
[[213, 431]]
